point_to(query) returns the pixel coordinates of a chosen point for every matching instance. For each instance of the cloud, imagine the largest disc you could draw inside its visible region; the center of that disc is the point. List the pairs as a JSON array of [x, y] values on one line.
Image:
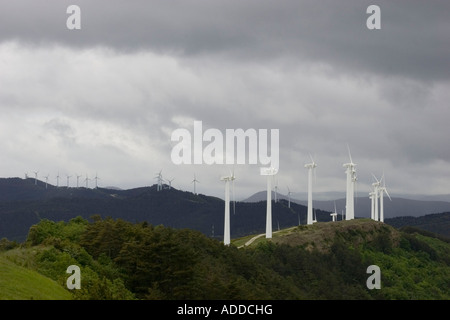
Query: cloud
[[109, 95]]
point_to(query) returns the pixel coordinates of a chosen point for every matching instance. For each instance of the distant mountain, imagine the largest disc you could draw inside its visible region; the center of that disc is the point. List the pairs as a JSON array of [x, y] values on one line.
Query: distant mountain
[[437, 223], [23, 203], [395, 208]]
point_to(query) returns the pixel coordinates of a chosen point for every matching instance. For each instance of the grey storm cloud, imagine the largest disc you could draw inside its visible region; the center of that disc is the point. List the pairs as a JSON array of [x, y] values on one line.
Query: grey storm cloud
[[109, 95], [414, 40]]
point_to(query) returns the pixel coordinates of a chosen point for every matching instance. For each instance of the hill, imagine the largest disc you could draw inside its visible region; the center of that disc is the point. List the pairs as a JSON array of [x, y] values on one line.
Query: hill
[[20, 283], [436, 223], [396, 207], [25, 203], [326, 261]]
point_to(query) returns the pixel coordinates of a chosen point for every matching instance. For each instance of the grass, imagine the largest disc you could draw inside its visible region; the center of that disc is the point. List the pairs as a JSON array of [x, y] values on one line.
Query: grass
[[21, 283]]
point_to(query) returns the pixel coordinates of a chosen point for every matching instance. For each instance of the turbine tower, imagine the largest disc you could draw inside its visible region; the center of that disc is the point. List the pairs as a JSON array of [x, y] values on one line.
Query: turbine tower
[[289, 197], [78, 178], [226, 232], [194, 182], [160, 181], [269, 172], [96, 180], [334, 214], [382, 191], [68, 177], [376, 186], [57, 180], [170, 182], [351, 179], [35, 177], [310, 166], [46, 180], [87, 181], [372, 205]]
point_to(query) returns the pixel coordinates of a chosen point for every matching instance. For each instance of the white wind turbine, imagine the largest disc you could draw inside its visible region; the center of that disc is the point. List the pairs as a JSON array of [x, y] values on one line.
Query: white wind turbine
[[96, 180], [269, 172], [351, 179], [194, 182], [170, 182], [376, 186], [46, 180], [382, 191], [57, 180], [68, 177], [334, 214], [160, 181], [87, 181], [226, 232], [35, 177], [310, 166], [372, 205], [289, 197], [78, 179]]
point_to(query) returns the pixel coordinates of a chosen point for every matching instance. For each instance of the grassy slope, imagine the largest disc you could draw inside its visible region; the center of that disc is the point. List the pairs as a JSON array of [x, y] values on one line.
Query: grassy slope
[[20, 283]]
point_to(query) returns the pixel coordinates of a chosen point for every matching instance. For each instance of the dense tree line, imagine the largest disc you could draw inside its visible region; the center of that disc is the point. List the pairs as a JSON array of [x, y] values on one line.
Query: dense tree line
[[122, 260]]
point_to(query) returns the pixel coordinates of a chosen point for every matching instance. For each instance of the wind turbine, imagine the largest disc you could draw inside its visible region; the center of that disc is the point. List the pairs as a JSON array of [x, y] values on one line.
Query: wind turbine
[[78, 178], [170, 182], [87, 181], [372, 204], [26, 175], [334, 214], [226, 232], [35, 177], [375, 195], [96, 178], [351, 179], [382, 191], [46, 180], [194, 182], [310, 166], [160, 181], [57, 180], [289, 197], [68, 177], [269, 172]]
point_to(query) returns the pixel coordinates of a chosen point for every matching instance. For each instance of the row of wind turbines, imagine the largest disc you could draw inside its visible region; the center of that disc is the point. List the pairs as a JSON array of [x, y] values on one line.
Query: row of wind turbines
[[375, 195], [86, 180]]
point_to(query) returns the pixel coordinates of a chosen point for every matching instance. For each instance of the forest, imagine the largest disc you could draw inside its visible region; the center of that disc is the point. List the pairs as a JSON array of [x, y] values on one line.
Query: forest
[[121, 260]]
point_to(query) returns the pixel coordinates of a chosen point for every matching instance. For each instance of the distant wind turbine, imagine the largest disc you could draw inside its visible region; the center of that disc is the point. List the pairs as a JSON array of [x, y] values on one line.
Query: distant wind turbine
[[226, 232], [68, 177], [46, 180], [269, 172], [160, 181], [351, 179], [57, 180], [382, 191], [78, 178], [194, 182], [96, 180], [170, 182], [334, 214], [87, 181], [35, 177], [375, 196], [311, 167], [289, 197]]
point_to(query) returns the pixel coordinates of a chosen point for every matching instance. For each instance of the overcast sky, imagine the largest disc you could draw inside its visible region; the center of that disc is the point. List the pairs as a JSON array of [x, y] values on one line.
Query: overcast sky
[[105, 99]]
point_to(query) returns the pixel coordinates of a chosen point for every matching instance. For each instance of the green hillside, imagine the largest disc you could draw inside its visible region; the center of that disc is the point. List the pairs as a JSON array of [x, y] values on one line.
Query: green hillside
[[20, 283], [120, 260]]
